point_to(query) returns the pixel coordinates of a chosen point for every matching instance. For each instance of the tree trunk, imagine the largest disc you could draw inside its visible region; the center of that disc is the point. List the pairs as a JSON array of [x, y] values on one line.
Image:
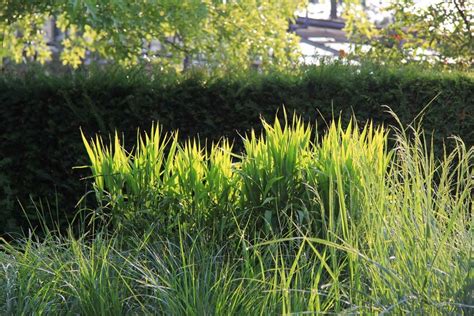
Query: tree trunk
[[186, 62], [333, 9]]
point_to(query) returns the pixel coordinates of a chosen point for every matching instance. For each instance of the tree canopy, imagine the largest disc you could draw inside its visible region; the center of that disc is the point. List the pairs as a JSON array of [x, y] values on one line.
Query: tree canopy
[[171, 33], [435, 31]]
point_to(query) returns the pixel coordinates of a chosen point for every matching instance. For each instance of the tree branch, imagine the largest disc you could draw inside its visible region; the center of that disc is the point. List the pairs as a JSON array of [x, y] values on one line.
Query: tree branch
[[464, 18]]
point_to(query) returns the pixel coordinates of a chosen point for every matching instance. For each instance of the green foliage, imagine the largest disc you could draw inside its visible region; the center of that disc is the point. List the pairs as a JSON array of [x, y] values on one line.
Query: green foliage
[[349, 164], [409, 252], [266, 186], [223, 34], [439, 32], [165, 180], [272, 178], [46, 273], [41, 116]]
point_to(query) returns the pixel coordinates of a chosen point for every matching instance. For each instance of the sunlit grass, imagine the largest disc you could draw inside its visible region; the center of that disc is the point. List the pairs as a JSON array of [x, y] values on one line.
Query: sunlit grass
[[292, 225]]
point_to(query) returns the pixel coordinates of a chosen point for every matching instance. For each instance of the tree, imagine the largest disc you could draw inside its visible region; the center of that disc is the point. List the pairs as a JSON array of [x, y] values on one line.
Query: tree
[[334, 5], [439, 32], [333, 13], [221, 33]]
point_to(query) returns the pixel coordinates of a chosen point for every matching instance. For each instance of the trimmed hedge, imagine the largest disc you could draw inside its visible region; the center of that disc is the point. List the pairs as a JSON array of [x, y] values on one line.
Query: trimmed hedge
[[41, 115]]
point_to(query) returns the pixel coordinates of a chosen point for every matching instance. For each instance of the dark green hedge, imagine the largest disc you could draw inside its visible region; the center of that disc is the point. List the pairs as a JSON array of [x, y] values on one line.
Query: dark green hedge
[[40, 115]]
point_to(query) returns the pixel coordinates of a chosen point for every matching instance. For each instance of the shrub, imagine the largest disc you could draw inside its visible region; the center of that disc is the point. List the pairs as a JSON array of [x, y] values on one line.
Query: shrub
[[409, 251], [41, 115], [282, 181]]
